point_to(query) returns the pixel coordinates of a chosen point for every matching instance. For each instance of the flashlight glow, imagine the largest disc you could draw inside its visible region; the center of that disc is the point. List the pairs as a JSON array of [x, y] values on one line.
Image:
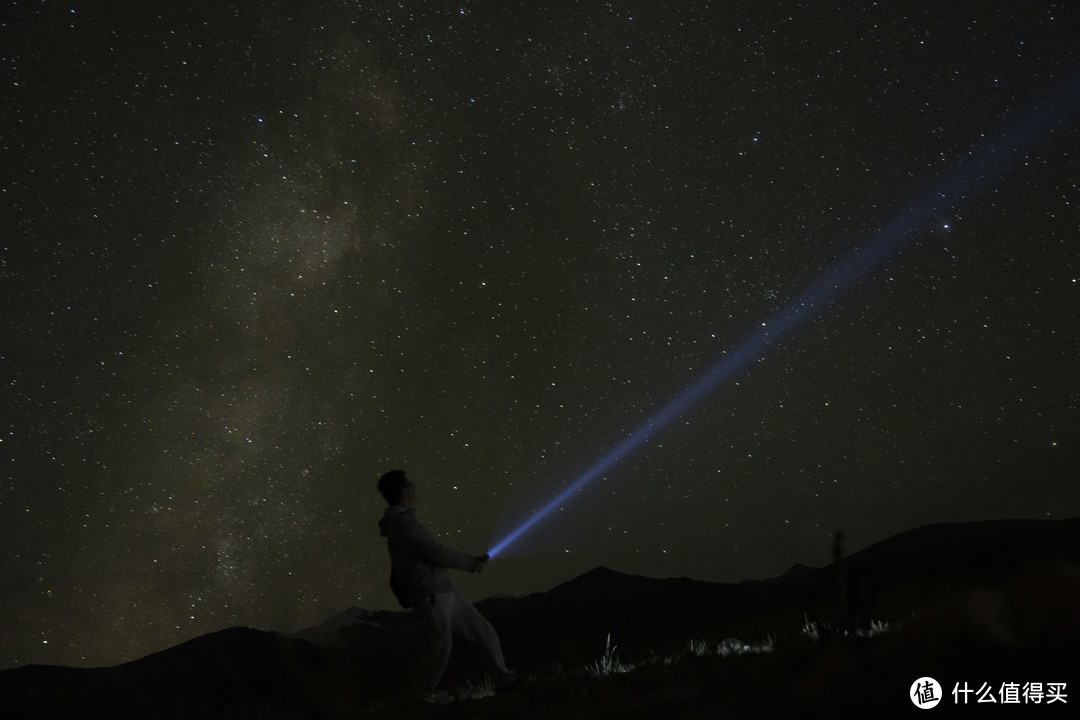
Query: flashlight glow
[[967, 177]]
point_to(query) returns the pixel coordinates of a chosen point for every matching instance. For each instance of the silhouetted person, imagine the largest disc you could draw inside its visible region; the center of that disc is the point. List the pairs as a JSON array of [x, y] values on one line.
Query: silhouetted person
[[420, 581]]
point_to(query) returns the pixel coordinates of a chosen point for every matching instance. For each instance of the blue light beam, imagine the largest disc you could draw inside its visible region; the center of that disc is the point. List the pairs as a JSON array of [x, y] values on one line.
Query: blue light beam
[[969, 176]]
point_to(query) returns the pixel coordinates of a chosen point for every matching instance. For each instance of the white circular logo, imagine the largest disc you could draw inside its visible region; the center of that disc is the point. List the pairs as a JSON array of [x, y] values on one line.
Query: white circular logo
[[925, 693]]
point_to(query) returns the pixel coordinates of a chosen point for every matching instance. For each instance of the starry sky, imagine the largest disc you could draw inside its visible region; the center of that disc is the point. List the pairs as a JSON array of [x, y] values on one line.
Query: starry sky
[[255, 254]]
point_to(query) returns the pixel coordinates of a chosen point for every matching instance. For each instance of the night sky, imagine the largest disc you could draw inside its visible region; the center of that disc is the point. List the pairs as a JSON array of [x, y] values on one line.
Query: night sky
[[255, 256]]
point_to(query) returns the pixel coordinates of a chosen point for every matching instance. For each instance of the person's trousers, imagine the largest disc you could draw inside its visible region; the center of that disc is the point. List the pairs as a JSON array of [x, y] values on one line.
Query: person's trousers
[[443, 616]]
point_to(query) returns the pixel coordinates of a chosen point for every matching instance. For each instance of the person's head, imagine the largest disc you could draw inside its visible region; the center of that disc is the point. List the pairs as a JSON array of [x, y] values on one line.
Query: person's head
[[397, 489]]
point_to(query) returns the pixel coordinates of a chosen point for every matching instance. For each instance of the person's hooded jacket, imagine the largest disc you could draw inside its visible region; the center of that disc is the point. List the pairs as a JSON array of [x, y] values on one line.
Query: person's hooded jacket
[[418, 562]]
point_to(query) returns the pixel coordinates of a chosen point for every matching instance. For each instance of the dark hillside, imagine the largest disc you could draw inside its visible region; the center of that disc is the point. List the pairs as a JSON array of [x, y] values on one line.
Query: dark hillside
[[994, 602]]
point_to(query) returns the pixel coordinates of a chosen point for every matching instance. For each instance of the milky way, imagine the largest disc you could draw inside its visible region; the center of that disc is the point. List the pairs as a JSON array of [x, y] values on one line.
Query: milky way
[[253, 257]]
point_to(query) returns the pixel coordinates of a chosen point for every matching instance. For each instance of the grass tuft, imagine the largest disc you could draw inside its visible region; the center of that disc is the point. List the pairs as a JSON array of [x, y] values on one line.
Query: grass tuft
[[609, 663], [484, 688]]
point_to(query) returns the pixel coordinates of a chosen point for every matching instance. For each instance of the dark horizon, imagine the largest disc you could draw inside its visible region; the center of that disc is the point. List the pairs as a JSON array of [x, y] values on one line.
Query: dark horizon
[[993, 600]]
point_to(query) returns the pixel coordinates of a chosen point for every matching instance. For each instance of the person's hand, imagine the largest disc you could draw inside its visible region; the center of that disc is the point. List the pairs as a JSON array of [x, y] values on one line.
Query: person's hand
[[481, 561]]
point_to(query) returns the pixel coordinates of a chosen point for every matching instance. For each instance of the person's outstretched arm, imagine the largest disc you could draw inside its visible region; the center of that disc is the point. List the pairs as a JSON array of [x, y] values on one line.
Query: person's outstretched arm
[[414, 537]]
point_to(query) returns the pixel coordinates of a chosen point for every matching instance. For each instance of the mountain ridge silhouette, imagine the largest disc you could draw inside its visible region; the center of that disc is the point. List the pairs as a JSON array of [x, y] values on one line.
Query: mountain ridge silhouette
[[994, 586]]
